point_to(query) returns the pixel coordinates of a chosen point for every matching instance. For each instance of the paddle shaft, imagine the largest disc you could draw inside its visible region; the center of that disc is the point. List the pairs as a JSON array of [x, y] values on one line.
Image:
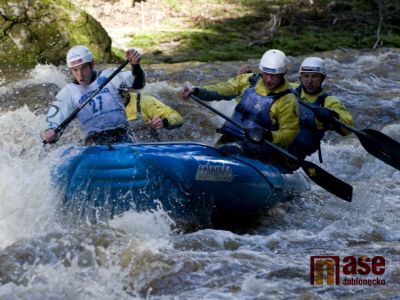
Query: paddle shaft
[[316, 173], [374, 142], [277, 148], [72, 116]]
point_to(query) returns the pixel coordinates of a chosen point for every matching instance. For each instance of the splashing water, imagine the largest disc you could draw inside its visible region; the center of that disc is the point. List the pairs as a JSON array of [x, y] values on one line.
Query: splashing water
[[140, 255]]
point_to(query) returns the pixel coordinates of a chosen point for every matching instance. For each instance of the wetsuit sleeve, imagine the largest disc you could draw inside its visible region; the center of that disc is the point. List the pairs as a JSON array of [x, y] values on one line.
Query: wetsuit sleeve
[[151, 108], [335, 104], [60, 109], [138, 74], [284, 112]]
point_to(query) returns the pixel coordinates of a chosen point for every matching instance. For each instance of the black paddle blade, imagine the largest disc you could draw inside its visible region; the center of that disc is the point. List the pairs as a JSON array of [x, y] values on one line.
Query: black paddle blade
[[326, 180], [381, 146]]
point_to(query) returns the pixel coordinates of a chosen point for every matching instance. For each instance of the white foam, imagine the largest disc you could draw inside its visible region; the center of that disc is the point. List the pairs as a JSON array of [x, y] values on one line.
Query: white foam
[[43, 74], [27, 199]]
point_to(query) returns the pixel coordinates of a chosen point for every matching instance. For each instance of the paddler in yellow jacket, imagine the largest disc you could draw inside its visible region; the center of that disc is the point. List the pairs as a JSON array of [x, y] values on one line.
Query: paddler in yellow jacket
[[314, 124], [267, 101], [147, 115]]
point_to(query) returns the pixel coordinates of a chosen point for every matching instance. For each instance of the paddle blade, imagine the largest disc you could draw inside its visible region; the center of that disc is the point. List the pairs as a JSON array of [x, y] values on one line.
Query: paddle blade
[[327, 181], [381, 146]]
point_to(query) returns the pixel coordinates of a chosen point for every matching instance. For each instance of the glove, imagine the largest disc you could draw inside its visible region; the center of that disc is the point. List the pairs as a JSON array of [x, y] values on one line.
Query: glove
[[325, 115], [258, 135], [49, 136]]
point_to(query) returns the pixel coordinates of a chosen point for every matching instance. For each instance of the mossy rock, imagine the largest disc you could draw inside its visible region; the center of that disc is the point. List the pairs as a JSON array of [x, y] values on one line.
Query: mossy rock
[[42, 31]]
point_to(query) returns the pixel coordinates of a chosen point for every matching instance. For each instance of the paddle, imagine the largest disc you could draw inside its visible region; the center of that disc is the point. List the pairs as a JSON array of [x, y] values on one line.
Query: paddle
[[72, 116], [374, 142], [321, 177]]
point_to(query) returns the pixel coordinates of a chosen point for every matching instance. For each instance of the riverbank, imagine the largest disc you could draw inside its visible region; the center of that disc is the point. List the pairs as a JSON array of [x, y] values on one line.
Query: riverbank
[[178, 31]]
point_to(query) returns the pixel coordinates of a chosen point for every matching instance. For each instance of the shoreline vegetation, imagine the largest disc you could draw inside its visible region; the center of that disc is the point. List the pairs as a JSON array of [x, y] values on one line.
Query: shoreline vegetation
[[240, 30]]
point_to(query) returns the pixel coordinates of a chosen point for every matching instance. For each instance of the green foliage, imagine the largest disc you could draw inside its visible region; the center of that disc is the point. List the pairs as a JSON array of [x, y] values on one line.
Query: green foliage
[[241, 29], [117, 55]]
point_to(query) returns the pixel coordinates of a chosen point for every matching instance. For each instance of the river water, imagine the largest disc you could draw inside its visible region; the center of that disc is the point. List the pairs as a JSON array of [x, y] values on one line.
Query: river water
[[140, 255]]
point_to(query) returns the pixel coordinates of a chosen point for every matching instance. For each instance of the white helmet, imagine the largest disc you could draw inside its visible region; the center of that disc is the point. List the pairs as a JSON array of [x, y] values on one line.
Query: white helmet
[[313, 65], [274, 62], [78, 55]]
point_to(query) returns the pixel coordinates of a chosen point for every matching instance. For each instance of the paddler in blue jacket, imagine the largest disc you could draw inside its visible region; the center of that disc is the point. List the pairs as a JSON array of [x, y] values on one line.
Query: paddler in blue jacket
[[314, 124], [103, 120], [266, 101]]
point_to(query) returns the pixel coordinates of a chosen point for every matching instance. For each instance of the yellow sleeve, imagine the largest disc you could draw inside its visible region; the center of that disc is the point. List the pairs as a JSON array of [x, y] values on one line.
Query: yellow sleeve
[[334, 103], [233, 87], [151, 108], [284, 112]]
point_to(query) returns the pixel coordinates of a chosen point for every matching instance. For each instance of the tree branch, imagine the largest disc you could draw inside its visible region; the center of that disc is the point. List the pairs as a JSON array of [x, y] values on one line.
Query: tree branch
[[378, 41]]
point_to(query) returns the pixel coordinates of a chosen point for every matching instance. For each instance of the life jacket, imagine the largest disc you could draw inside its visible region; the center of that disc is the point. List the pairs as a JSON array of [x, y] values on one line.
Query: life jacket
[[104, 111], [309, 138], [253, 110]]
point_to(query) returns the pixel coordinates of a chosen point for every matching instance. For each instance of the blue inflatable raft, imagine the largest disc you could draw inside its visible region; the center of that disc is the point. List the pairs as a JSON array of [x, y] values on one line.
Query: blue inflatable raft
[[196, 184]]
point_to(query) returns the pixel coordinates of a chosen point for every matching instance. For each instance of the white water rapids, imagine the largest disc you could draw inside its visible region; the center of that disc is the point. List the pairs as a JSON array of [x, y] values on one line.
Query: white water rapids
[[138, 255]]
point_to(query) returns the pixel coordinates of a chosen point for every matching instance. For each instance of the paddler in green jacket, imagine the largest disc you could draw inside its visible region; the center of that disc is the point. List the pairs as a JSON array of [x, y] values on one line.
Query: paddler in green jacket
[[314, 124], [267, 101]]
